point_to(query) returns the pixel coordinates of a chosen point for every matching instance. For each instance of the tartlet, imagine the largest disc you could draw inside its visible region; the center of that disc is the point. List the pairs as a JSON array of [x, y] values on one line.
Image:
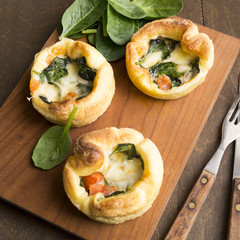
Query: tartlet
[[114, 174], [68, 73], [168, 58]]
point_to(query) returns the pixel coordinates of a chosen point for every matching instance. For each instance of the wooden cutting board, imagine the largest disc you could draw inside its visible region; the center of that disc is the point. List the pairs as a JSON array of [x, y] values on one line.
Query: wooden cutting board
[[174, 126]]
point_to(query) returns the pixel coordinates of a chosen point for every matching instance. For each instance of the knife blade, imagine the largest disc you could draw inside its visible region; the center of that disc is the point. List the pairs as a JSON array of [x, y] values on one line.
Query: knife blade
[[234, 220]]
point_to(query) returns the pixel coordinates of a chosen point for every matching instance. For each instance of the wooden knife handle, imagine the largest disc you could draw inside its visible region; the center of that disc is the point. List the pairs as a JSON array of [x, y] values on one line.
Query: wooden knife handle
[[185, 219], [234, 221]]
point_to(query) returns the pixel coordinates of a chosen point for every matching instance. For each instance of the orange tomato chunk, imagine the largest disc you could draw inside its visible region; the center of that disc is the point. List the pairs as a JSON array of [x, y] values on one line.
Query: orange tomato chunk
[[94, 178], [34, 85], [164, 82], [96, 188]]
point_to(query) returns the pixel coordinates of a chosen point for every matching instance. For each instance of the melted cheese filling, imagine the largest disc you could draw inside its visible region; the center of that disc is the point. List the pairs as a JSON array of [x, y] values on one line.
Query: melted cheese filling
[[123, 173], [181, 58], [72, 82]]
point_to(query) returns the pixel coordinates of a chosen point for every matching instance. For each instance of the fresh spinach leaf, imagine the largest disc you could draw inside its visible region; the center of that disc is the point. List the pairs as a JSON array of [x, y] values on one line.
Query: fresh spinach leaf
[[80, 15], [54, 145], [127, 9], [85, 72], [110, 50], [56, 69], [120, 28], [92, 39], [160, 8], [128, 149], [167, 68]]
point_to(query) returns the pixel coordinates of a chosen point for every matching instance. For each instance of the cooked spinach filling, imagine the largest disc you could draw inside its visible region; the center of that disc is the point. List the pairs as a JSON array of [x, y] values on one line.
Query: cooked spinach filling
[[57, 69], [79, 84], [162, 44], [85, 72], [163, 64], [129, 150]]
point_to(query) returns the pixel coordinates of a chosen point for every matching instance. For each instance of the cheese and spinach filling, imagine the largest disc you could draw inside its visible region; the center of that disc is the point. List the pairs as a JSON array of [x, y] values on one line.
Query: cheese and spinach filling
[[165, 57], [66, 78], [125, 167]]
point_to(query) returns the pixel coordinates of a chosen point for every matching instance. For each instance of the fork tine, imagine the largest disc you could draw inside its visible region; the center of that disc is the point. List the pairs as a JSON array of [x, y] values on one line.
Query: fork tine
[[233, 107], [236, 115]]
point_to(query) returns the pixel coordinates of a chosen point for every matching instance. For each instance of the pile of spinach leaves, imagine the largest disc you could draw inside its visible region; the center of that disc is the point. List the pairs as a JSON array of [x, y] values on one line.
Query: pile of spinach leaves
[[110, 24]]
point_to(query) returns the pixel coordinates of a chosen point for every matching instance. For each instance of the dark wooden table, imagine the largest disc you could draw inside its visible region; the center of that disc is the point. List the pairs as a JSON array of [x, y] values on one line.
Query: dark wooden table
[[26, 25]]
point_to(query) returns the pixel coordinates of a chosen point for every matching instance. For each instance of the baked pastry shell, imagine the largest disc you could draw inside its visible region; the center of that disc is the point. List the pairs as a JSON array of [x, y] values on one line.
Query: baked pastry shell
[[191, 41], [91, 155], [90, 107]]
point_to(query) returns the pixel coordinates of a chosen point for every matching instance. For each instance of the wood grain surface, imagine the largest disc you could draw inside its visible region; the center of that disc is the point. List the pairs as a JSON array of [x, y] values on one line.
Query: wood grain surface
[[26, 27]]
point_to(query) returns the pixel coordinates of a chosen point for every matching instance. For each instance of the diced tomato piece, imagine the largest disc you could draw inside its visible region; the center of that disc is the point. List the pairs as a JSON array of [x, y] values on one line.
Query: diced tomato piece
[[92, 179], [109, 190], [164, 82], [34, 85], [96, 188]]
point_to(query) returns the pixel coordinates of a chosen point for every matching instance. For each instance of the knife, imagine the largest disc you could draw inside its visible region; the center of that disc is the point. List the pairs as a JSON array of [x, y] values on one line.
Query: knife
[[234, 220]]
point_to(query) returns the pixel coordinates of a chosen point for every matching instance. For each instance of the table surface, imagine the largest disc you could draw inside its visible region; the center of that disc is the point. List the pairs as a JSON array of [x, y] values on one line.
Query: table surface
[[26, 25]]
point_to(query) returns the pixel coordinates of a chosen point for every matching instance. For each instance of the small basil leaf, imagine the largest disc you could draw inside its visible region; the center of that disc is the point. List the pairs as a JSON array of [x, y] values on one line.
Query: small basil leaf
[[54, 145]]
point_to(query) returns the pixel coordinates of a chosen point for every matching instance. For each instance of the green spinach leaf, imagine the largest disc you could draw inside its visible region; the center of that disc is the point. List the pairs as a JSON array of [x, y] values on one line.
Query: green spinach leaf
[[120, 28], [80, 15], [110, 50], [127, 9], [164, 45], [56, 69], [92, 38], [85, 72], [160, 8], [128, 149], [53, 146], [167, 68]]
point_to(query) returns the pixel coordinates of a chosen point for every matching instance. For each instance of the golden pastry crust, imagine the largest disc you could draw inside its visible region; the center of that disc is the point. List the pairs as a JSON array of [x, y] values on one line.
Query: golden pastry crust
[[90, 107], [92, 152], [191, 41]]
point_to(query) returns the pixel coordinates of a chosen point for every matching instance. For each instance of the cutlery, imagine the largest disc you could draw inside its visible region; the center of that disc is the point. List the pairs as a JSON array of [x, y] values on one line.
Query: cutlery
[[185, 219], [234, 221]]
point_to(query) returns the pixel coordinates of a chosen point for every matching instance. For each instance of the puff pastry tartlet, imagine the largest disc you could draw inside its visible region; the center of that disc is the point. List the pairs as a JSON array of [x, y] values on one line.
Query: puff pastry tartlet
[[114, 175], [168, 58], [68, 73]]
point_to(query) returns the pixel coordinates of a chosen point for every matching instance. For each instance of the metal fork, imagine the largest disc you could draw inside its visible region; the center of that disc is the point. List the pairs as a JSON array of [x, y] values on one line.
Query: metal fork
[[185, 219]]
